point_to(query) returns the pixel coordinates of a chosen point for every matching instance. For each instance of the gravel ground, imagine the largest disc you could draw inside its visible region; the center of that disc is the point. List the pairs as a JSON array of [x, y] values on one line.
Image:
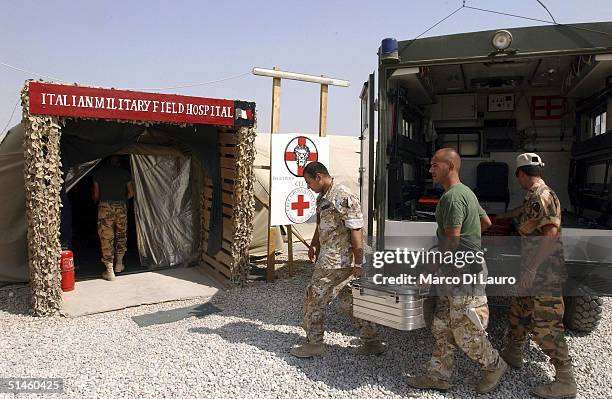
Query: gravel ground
[[243, 352]]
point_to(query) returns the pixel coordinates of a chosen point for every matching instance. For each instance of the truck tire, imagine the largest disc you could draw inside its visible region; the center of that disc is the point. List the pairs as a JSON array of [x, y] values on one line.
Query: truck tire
[[582, 313]]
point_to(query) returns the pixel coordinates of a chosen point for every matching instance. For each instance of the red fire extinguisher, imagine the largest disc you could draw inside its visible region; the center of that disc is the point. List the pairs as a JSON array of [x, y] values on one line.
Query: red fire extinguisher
[[67, 268]]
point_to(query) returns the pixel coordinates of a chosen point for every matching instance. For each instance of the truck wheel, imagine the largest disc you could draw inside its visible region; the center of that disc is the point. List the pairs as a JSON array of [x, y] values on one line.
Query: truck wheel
[[583, 313]]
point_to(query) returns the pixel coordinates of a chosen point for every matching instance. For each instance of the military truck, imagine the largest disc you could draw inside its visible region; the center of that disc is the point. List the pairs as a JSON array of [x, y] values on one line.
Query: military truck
[[491, 95]]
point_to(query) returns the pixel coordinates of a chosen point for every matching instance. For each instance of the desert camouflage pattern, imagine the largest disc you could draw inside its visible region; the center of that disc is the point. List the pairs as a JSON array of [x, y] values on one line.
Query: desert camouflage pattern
[[461, 321], [112, 229], [244, 194], [540, 207], [42, 183], [338, 211], [542, 314], [325, 285]]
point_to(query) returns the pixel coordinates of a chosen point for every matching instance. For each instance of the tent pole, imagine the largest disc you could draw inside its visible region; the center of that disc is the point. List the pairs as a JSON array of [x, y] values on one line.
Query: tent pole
[[323, 111], [275, 123]]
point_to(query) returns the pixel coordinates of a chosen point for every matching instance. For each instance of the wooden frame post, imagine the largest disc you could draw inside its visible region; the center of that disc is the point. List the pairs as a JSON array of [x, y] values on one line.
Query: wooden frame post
[[323, 111], [276, 76], [274, 127]]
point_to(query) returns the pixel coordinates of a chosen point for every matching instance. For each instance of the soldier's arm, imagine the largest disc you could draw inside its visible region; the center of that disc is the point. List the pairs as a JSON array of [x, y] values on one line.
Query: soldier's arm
[[315, 239], [545, 247], [96, 192], [357, 245], [130, 190], [511, 214], [450, 241], [453, 214], [315, 245], [485, 222], [350, 209]]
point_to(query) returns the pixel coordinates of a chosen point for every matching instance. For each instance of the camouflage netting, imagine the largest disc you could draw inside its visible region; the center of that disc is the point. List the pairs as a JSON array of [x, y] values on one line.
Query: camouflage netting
[[43, 182], [244, 195]]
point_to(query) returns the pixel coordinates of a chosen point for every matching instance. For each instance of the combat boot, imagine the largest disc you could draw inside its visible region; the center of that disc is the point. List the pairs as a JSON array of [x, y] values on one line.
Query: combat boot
[[513, 353], [564, 385], [119, 266], [108, 275], [428, 381], [308, 350], [375, 347], [491, 379]]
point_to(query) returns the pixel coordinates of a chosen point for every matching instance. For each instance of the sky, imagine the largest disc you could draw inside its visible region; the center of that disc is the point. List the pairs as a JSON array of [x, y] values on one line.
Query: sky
[[164, 44]]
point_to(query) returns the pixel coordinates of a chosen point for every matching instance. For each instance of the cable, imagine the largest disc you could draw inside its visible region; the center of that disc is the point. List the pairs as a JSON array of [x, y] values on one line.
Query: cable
[[50, 78], [32, 73], [540, 20], [193, 84], [509, 15], [433, 26], [10, 118], [546, 8], [440, 21]]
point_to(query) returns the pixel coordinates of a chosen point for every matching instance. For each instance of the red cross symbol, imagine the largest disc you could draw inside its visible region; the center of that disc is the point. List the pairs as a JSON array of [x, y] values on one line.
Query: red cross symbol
[[300, 205], [290, 156]]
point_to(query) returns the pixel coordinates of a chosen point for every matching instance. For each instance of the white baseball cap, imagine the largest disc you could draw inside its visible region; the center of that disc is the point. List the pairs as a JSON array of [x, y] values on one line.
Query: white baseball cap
[[528, 159]]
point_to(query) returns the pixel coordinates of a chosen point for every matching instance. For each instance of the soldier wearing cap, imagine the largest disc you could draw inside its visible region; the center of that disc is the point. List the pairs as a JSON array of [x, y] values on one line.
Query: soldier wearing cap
[[540, 311], [337, 242]]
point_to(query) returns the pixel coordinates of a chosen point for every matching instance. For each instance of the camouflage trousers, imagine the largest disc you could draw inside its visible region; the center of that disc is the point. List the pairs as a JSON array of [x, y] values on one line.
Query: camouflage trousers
[[461, 321], [542, 316], [325, 285], [112, 229]]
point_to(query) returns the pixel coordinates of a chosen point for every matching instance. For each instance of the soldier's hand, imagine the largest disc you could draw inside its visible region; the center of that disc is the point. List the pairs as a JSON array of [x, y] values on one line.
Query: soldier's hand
[[527, 278], [422, 284], [357, 271], [313, 254]]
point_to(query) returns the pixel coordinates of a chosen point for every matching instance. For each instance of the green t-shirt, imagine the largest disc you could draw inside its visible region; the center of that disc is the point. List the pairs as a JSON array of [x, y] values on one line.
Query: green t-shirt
[[459, 206], [112, 182]]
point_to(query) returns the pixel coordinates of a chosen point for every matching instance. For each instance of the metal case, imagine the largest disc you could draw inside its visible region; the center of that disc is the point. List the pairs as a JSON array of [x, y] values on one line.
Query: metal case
[[402, 308]]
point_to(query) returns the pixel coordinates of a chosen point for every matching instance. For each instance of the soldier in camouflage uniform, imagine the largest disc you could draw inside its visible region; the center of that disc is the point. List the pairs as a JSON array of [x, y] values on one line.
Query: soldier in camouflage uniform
[[543, 272], [112, 188], [461, 315], [337, 241]]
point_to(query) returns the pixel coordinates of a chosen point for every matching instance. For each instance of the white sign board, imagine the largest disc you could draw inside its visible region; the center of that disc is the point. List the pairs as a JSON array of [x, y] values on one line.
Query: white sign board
[[291, 201]]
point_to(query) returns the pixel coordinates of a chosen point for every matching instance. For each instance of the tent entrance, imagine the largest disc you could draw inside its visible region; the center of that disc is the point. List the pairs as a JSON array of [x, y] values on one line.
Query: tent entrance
[[164, 217], [78, 229], [86, 124]]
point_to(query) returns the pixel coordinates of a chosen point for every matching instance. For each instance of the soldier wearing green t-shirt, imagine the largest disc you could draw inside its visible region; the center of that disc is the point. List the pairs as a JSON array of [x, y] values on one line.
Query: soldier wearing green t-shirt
[[461, 319]]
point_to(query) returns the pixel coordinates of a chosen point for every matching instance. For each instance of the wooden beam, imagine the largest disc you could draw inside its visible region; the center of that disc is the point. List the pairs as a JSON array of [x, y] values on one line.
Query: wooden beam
[[290, 248], [228, 139], [274, 127], [276, 91], [229, 163], [323, 111]]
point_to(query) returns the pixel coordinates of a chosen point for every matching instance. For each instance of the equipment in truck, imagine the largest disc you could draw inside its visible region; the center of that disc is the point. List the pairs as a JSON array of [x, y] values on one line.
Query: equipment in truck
[[544, 90]]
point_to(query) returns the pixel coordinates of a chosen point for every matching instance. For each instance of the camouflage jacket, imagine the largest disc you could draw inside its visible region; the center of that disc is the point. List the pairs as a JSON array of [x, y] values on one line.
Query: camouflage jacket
[[541, 207], [338, 212]]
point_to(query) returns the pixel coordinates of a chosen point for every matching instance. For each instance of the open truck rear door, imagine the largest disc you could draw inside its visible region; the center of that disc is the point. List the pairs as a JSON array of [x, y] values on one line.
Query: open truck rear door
[[366, 167]]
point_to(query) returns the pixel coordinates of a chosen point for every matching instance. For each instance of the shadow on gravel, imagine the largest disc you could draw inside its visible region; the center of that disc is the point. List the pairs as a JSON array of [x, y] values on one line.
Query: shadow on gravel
[[338, 368], [407, 352], [15, 299]]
